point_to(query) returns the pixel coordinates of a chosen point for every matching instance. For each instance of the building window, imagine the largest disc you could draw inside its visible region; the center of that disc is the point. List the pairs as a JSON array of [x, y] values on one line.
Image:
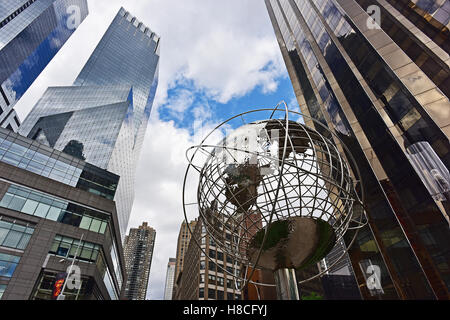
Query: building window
[[211, 266], [202, 265], [67, 247], [38, 204], [211, 279], [14, 235], [46, 282], [219, 267], [2, 289], [8, 264], [219, 256], [220, 295], [116, 264], [212, 253], [211, 294], [110, 287], [201, 292], [14, 151]]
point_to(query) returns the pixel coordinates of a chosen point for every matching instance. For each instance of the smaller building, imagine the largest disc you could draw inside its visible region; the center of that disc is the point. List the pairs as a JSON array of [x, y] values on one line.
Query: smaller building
[[170, 278], [184, 237], [138, 251], [207, 278]]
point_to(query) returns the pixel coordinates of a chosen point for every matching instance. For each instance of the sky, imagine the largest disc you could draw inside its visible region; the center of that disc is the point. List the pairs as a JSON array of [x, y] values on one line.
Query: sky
[[218, 58]]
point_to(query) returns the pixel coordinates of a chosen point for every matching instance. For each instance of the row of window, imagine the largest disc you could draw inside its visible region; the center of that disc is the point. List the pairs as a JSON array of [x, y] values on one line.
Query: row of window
[[34, 161], [381, 216], [8, 264], [44, 290], [16, 152], [215, 267], [431, 27], [16, 13], [68, 247], [116, 264], [107, 279], [14, 235], [218, 295], [370, 121], [89, 252], [325, 92], [426, 60], [41, 205]]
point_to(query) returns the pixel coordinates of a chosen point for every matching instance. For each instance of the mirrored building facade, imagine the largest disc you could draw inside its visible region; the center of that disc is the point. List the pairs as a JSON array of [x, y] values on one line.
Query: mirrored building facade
[[377, 73], [103, 117], [31, 33]]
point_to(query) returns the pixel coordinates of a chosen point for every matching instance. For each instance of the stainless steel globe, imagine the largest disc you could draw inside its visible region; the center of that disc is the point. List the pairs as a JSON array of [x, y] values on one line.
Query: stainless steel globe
[[275, 194]]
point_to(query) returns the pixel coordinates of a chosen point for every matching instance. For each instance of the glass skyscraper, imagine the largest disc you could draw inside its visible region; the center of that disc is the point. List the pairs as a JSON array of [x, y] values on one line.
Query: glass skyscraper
[[377, 73], [103, 117], [31, 33]]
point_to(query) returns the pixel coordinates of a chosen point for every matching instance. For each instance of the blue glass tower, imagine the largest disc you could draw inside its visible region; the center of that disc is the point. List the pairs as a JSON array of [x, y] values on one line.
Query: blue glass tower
[[31, 33], [103, 117]]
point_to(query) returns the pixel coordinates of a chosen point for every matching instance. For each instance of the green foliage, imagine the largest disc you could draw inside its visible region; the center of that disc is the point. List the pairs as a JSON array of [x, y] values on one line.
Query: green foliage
[[312, 296], [277, 231]]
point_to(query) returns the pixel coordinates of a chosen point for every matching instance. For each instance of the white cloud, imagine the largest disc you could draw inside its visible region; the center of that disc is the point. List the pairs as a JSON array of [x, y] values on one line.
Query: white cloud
[[224, 48], [179, 102]]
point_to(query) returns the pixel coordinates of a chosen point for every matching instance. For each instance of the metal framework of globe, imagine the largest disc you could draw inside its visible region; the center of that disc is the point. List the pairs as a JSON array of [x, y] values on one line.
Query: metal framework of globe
[[275, 194]]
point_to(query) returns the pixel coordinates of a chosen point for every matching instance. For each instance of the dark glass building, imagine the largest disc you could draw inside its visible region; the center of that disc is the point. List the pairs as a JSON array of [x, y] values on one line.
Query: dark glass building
[[31, 33], [103, 117], [55, 209], [377, 73]]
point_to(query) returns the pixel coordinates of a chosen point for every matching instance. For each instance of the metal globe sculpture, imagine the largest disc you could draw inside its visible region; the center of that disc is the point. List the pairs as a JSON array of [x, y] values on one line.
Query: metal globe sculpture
[[275, 194]]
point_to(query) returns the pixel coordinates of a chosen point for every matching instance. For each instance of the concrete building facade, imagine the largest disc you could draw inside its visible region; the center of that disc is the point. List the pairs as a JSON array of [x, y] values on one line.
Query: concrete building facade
[[55, 209]]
